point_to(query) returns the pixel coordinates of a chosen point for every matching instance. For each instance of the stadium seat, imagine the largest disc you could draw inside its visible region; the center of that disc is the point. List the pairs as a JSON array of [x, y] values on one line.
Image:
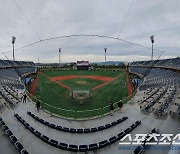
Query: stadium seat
[[133, 126], [31, 129], [72, 130], [137, 122], [124, 118], [46, 123], [44, 138], [53, 142], [22, 121], [23, 151], [101, 128], [59, 128], [113, 123], [13, 139], [37, 133], [65, 129], [4, 127], [87, 130], [83, 148], [73, 148], [2, 123], [119, 121], [128, 130], [63, 146], [113, 139], [121, 135], [40, 120], [93, 147], [8, 133], [52, 126], [103, 144], [26, 125], [108, 126], [94, 129], [80, 131], [18, 146]]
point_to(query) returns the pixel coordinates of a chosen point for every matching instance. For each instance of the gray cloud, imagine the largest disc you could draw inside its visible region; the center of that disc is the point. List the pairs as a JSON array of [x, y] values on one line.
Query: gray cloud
[[52, 18]]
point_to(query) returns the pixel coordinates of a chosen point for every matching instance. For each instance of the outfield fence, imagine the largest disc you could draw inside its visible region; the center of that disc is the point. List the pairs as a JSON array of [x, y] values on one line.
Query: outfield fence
[[85, 114]]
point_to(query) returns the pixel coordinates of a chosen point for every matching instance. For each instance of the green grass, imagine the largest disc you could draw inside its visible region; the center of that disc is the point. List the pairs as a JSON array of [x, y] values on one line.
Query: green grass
[[73, 83], [83, 72], [57, 96]]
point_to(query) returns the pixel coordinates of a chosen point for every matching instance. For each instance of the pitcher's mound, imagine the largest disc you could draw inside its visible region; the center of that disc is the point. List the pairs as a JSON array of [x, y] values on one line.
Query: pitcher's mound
[[81, 82]]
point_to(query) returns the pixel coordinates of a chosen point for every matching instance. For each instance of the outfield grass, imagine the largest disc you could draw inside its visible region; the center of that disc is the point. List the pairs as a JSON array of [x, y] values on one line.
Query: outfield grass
[[55, 95]]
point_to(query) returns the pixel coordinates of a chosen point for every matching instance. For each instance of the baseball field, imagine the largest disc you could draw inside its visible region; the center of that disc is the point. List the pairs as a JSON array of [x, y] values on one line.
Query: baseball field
[[55, 88]]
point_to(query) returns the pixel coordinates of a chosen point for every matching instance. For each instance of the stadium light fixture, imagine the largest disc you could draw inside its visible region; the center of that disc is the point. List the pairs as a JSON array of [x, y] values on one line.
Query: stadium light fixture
[[105, 55], [59, 56], [13, 41], [152, 41]]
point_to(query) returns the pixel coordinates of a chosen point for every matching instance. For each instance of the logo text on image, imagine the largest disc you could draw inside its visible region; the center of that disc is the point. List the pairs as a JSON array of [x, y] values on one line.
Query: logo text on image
[[152, 139]]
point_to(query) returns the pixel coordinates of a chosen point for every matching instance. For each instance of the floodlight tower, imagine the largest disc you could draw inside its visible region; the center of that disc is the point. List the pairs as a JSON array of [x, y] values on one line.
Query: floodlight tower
[[59, 56], [13, 41], [105, 56], [152, 41]]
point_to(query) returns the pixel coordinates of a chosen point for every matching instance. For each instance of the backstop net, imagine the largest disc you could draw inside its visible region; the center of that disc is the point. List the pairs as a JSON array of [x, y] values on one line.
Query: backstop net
[[81, 96]]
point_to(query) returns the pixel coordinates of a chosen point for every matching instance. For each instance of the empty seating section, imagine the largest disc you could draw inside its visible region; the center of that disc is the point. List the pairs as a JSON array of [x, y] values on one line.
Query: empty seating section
[[160, 78], [8, 63], [73, 147], [78, 130], [166, 63], [12, 138], [12, 71], [9, 95], [9, 77], [163, 96]]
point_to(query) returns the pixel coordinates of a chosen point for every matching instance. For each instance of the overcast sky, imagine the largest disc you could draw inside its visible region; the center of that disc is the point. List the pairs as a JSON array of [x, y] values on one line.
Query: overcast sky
[[53, 18]]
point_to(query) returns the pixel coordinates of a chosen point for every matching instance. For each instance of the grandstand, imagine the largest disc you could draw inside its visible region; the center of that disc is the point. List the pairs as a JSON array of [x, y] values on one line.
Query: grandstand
[[154, 104]]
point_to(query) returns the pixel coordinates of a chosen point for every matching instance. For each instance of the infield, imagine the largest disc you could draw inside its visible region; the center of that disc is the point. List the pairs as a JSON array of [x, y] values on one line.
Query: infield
[[106, 86]]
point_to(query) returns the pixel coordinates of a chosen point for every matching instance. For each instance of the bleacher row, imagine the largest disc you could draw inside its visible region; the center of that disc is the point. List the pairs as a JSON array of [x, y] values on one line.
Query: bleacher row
[[73, 147], [9, 95], [158, 101], [9, 63], [160, 78], [78, 130], [166, 63], [12, 71], [12, 138]]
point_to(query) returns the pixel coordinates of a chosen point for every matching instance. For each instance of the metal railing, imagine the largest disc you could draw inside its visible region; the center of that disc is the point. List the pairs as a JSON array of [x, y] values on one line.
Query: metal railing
[[72, 114]]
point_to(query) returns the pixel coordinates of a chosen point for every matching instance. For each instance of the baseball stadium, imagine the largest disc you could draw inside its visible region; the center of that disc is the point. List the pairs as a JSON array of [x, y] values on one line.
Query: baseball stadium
[[74, 82]]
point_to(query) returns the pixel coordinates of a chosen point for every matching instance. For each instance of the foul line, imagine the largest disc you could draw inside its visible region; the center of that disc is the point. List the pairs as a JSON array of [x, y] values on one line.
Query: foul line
[[59, 83], [102, 85]]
